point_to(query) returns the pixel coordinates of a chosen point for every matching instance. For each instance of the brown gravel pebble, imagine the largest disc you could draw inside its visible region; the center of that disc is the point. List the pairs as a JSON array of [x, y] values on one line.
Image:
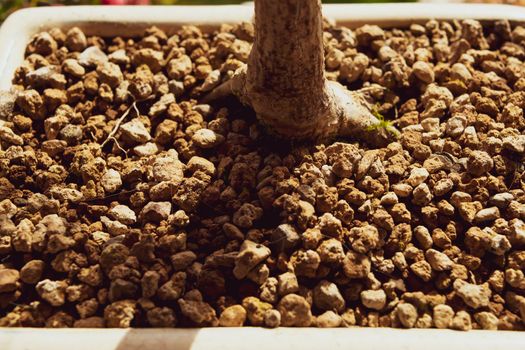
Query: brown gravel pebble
[[126, 201]]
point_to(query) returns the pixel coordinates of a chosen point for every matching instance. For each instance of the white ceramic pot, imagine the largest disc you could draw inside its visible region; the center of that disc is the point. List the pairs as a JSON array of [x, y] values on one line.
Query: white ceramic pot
[[126, 21]]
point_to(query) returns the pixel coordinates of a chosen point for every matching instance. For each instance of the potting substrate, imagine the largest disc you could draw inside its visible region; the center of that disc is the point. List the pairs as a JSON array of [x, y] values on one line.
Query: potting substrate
[[126, 201]]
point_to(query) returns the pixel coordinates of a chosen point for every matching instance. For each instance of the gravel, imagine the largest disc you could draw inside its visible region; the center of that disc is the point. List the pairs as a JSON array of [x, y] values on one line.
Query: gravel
[[126, 201]]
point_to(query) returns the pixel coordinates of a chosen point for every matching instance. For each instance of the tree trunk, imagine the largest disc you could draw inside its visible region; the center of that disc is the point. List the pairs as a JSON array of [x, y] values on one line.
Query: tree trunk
[[284, 81], [286, 67]]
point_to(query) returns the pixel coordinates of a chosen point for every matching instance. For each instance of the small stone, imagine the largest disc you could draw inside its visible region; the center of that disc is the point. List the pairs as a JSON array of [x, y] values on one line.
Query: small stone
[[417, 176], [156, 211], [295, 311], [443, 316], [305, 263], [487, 214], [72, 67], [443, 186], [8, 280], [233, 316], [179, 67], [120, 314], [7, 135], [439, 261], [168, 167], [407, 315], [110, 74], [250, 255], [7, 103], [515, 278], [367, 33], [92, 57], [326, 296], [423, 237], [201, 164], [468, 210], [285, 237], [501, 200], [149, 283], [475, 296], [123, 214], [461, 321], [487, 320], [162, 105], [424, 321], [112, 255], [422, 195], [373, 299], [287, 283], [31, 272], [356, 265], [423, 71], [455, 126], [422, 269], [389, 199], [269, 290], [135, 131], [43, 44], [246, 215], [161, 317], [7, 208], [31, 103], [54, 292], [259, 274], [152, 58], [514, 143], [365, 238], [435, 93], [479, 162], [329, 319], [70, 133], [173, 288], [402, 190], [272, 318], [111, 180], [255, 310], [182, 260], [147, 149], [206, 138], [331, 251], [76, 39]]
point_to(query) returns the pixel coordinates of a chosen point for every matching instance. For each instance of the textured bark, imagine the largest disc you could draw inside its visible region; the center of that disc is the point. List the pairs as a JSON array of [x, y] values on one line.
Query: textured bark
[[284, 81], [286, 66]]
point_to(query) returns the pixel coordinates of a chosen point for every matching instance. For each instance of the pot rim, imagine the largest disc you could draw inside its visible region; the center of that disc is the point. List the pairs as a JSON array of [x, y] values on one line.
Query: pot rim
[[257, 338]]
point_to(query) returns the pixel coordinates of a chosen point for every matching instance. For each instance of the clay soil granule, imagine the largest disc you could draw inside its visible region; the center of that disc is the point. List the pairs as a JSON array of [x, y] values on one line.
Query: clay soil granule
[[126, 201]]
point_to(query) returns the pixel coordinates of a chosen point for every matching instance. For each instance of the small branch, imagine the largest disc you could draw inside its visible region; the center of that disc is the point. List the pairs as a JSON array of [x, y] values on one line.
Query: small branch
[[119, 121]]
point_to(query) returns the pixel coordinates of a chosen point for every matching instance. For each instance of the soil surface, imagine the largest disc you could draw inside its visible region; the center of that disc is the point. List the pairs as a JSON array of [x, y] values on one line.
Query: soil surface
[[126, 201]]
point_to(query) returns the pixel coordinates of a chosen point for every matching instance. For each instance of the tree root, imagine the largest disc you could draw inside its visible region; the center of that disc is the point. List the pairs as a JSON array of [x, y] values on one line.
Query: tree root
[[113, 132], [347, 115]]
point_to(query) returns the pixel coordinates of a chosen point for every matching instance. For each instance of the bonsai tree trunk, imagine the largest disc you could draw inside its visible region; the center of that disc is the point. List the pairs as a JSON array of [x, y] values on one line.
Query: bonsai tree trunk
[[284, 80]]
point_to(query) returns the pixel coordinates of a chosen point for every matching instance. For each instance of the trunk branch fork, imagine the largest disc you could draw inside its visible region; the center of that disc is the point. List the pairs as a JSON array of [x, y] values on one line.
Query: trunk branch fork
[[285, 84]]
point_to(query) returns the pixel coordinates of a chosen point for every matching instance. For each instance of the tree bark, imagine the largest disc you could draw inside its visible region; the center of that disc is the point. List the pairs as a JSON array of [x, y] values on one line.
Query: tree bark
[[286, 66], [284, 81]]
